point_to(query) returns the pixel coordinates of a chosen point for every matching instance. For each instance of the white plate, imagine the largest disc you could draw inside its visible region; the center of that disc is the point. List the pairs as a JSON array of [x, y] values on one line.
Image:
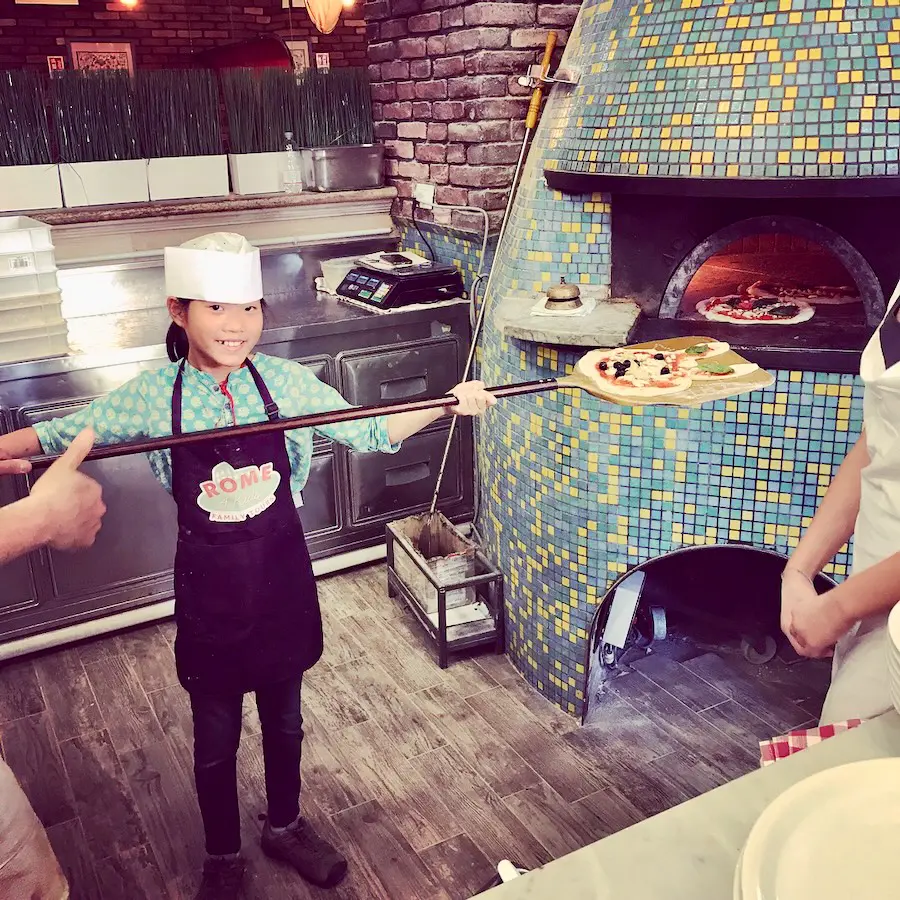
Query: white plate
[[833, 836], [894, 628]]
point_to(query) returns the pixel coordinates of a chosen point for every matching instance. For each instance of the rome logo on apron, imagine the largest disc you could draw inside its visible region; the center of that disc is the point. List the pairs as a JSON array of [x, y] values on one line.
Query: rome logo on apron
[[235, 495]]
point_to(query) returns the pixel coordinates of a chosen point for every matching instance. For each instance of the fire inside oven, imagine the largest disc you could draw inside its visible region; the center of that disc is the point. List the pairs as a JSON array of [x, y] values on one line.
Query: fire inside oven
[[773, 278]]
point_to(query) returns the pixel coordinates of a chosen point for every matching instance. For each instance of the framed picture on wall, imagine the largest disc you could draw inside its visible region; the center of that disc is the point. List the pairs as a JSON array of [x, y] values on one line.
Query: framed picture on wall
[[56, 63], [300, 54], [323, 61], [101, 56]]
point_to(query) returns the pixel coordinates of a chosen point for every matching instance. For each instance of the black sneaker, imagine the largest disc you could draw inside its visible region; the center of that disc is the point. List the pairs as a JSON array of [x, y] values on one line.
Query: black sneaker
[[221, 879], [311, 855]]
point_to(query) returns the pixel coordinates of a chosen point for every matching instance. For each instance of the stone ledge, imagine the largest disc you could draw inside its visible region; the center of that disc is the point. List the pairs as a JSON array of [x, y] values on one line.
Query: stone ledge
[[608, 325]]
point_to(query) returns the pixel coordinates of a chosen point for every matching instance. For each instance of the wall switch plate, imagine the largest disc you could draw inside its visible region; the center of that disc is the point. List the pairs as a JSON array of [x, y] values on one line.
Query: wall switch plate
[[424, 195]]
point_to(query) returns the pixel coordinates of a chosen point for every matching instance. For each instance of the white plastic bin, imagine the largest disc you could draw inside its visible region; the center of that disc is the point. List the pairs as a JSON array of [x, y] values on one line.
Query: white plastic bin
[[20, 262], [34, 343], [40, 311], [18, 287], [22, 234]]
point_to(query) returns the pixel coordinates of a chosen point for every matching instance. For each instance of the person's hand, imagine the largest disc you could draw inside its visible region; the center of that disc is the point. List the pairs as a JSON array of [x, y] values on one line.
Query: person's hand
[[795, 588], [71, 503], [10, 466], [473, 399], [817, 623]]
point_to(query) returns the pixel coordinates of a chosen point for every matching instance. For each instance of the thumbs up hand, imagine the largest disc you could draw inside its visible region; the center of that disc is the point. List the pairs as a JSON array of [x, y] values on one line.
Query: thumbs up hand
[[71, 503]]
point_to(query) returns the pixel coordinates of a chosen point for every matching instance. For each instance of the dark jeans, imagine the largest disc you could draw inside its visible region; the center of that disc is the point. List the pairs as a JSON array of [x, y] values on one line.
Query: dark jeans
[[217, 733]]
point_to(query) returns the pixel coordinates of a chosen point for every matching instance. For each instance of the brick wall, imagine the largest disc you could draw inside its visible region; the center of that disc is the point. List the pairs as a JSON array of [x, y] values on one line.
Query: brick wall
[[448, 105], [165, 33]]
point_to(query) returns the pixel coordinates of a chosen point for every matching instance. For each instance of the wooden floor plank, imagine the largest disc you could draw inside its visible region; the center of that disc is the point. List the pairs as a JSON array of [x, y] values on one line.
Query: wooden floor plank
[[386, 775], [679, 680], [547, 713], [70, 698], [103, 798], [564, 770], [331, 701], [130, 719], [686, 772], [560, 826], [686, 726], [382, 699], [459, 866], [412, 670], [172, 708], [620, 736], [376, 844], [71, 849], [20, 690], [499, 833], [133, 874], [498, 763], [738, 723], [341, 645], [165, 798], [498, 667], [150, 656], [766, 702], [32, 753], [332, 785]]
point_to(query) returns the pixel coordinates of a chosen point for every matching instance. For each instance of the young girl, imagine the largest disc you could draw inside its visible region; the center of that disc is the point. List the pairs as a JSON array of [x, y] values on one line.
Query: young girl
[[245, 596]]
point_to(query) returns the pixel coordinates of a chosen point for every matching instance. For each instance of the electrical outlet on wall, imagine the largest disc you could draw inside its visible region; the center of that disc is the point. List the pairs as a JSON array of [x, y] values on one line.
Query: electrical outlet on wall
[[424, 195]]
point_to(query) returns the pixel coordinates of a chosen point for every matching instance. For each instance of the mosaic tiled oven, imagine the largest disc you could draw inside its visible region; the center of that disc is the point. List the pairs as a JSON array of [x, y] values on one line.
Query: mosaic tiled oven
[[703, 136]]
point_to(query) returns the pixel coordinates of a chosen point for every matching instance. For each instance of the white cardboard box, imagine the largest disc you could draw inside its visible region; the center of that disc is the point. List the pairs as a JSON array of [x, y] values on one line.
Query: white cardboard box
[[186, 177], [30, 187], [103, 183]]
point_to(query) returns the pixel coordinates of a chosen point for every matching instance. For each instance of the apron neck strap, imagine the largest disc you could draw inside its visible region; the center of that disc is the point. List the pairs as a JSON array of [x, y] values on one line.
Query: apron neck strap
[[272, 412]]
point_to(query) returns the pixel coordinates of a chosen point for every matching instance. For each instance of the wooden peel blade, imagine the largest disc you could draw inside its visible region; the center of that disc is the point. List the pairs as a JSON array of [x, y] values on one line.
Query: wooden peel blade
[[699, 393]]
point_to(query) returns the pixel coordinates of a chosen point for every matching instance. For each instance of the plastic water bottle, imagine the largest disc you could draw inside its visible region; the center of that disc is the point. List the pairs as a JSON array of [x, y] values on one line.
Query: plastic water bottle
[[293, 175]]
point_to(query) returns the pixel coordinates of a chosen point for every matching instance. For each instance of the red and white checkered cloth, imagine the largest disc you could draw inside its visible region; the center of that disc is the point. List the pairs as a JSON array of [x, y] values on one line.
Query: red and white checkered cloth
[[794, 741]]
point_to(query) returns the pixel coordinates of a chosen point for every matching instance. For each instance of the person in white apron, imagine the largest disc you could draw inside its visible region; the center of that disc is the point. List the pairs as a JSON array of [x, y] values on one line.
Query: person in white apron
[[850, 621]]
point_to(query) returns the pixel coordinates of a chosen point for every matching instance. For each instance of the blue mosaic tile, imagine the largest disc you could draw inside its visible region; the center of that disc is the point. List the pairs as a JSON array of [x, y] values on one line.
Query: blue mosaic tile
[[711, 88]]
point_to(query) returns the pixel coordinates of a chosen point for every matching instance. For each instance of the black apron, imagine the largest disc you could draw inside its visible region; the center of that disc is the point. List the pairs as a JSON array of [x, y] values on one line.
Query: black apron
[[245, 595]]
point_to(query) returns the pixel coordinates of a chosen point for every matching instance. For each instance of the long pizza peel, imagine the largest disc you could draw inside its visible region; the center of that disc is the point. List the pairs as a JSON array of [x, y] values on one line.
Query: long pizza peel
[[699, 393]]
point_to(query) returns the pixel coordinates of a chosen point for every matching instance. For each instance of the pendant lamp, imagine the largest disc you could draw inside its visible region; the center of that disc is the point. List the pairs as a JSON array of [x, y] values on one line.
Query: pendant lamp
[[325, 13]]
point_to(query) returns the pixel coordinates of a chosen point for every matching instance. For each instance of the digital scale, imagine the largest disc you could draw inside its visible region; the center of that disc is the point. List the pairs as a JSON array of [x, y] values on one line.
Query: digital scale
[[391, 280]]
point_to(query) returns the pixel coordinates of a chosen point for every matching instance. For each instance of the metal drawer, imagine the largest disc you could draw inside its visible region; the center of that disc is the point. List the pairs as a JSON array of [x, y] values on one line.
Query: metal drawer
[[319, 512], [426, 369], [385, 484]]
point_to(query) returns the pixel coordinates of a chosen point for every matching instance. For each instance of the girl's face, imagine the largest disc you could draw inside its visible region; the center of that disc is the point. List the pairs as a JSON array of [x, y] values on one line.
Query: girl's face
[[222, 335]]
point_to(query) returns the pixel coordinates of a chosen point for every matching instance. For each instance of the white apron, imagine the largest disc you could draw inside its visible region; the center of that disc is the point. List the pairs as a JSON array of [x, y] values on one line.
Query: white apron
[[859, 679]]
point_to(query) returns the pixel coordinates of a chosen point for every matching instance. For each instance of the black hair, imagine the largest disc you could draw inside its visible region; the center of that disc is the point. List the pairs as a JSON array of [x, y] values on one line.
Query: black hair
[[177, 343]]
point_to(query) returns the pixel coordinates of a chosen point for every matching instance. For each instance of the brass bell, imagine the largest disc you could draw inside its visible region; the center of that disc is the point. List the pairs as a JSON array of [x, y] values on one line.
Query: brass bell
[[564, 296]]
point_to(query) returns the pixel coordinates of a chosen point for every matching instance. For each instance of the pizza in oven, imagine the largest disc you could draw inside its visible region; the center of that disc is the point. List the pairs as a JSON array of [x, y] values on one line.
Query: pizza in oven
[[636, 373], [823, 294], [766, 310]]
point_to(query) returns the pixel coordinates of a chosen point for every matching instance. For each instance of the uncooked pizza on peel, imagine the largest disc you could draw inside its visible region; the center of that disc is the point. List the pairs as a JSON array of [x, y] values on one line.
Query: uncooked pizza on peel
[[650, 372]]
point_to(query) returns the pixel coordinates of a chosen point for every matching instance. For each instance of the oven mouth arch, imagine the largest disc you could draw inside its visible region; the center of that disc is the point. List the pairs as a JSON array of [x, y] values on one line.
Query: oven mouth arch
[[853, 261]]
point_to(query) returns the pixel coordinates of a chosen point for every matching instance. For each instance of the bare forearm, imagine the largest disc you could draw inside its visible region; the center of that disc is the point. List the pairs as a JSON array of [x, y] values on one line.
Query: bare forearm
[[20, 444], [874, 590], [23, 528], [835, 518], [403, 425]]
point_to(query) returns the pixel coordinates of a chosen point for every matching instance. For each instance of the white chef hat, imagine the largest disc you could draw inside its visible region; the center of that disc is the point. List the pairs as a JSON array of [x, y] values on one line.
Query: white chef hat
[[219, 268]]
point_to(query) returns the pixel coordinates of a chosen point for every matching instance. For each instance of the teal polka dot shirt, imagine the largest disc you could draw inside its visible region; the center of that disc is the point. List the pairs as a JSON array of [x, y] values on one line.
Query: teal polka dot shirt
[[142, 408]]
